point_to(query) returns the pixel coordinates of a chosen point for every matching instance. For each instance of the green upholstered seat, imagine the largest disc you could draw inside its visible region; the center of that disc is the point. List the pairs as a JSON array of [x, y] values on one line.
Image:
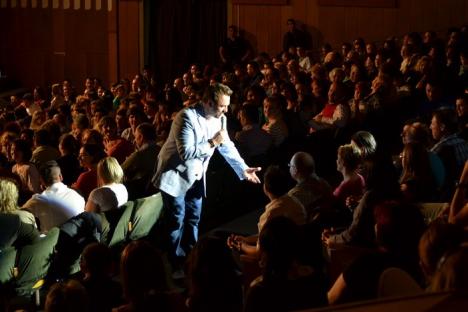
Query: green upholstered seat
[[34, 262], [121, 231], [146, 215], [7, 264]]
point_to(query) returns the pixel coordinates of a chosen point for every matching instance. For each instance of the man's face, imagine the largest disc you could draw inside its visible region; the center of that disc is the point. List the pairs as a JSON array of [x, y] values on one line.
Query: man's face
[[436, 129], [429, 92], [250, 70], [231, 32], [89, 83], [135, 85], [354, 75], [216, 110], [462, 107], [138, 139]]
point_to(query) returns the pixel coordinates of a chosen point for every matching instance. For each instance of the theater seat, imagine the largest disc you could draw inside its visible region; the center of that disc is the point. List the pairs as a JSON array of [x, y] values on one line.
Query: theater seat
[[7, 265], [146, 214], [34, 262], [431, 211], [395, 282], [121, 231]]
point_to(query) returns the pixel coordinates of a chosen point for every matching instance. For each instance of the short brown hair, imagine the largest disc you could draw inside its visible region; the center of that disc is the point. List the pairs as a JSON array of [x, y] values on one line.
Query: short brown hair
[[215, 91]]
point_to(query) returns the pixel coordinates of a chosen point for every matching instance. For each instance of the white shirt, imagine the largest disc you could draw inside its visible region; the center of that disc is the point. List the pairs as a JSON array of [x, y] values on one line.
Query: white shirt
[[109, 197], [55, 205]]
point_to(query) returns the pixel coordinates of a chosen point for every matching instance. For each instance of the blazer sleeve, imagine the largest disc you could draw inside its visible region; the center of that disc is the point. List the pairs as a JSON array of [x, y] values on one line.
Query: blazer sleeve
[[229, 151]]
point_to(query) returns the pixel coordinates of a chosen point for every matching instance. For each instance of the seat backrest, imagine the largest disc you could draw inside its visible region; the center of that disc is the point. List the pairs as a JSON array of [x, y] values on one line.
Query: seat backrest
[[146, 213], [34, 261], [431, 211], [394, 282], [120, 233], [7, 264]]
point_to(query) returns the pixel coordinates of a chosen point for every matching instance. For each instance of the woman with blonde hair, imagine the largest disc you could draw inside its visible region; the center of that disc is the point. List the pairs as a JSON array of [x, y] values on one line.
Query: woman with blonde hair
[[9, 202], [347, 163], [111, 193], [38, 118]]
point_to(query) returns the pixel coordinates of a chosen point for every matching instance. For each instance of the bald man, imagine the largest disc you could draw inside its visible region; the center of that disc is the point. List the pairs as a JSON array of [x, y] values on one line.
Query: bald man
[[313, 192]]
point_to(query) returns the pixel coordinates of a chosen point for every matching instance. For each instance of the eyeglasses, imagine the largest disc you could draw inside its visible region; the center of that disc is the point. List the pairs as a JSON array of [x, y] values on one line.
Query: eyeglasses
[[81, 156]]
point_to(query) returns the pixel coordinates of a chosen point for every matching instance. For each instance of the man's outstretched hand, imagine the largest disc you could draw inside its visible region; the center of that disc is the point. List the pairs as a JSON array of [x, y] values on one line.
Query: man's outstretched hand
[[250, 174]]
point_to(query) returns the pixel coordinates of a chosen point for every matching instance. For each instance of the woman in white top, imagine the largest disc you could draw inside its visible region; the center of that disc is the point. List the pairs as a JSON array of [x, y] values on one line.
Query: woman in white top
[[112, 193]]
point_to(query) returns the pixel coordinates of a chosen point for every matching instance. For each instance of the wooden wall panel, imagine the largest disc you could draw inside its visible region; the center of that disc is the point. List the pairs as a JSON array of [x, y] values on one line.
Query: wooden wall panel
[[41, 46], [129, 36], [338, 24]]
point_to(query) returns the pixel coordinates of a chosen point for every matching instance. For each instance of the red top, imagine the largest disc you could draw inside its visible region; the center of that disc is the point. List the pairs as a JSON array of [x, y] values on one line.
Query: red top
[[86, 182], [348, 188], [329, 110], [120, 149]]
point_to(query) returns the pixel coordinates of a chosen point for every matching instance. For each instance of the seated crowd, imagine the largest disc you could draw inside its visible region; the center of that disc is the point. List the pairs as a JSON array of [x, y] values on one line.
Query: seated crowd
[[394, 118]]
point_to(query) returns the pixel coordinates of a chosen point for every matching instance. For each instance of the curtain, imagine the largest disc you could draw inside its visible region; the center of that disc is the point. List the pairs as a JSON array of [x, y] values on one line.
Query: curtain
[[181, 32]]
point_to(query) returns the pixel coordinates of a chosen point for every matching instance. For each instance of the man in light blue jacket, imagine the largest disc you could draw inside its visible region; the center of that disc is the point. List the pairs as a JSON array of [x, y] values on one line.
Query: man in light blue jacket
[[182, 163]]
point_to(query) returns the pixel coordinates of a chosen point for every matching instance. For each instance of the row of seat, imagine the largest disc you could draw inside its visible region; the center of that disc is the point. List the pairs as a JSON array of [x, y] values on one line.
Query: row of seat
[[23, 269]]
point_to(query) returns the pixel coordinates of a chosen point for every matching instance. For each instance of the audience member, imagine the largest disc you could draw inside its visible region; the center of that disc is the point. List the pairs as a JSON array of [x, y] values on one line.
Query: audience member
[[68, 161], [26, 170], [44, 150], [111, 193], [252, 141], [115, 146], [145, 281], [294, 37], [452, 150], [89, 156], [452, 274], [96, 266], [313, 192], [9, 202], [285, 284], [398, 228], [235, 49], [361, 230], [335, 114], [139, 166], [281, 204], [214, 281], [353, 184], [57, 203], [275, 124], [417, 181], [67, 296], [135, 116], [439, 239]]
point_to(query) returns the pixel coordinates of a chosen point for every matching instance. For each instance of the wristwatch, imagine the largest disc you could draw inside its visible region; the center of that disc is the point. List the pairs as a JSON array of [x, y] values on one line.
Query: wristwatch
[[212, 143]]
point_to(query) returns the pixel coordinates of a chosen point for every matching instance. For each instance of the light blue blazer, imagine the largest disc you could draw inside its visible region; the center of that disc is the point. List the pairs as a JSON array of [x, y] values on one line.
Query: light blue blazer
[[185, 155]]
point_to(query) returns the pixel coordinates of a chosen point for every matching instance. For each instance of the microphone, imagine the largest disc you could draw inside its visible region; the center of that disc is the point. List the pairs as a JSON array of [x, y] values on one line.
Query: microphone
[[223, 122]]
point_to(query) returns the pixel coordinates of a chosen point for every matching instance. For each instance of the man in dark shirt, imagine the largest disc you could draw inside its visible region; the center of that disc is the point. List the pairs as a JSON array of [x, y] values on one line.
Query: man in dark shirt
[[294, 37], [235, 49]]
